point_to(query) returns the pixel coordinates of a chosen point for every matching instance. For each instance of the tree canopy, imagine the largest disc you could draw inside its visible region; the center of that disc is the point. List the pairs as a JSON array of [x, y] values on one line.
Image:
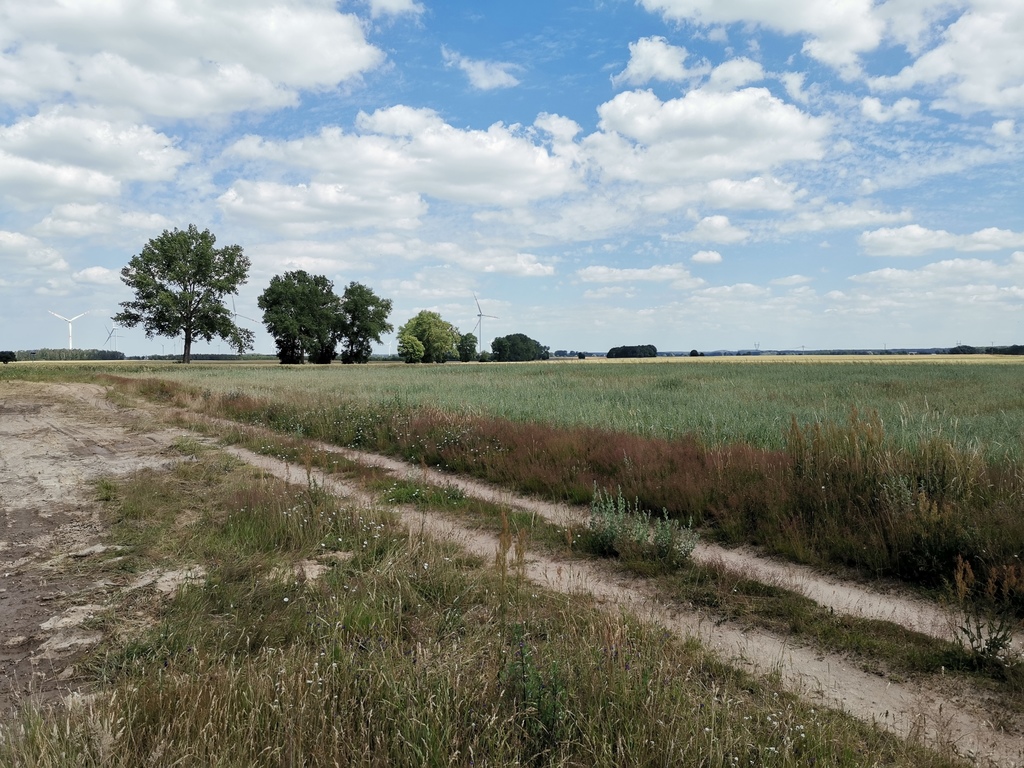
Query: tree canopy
[[364, 319], [640, 350], [308, 319], [303, 314], [427, 338], [518, 347], [180, 280], [467, 347]]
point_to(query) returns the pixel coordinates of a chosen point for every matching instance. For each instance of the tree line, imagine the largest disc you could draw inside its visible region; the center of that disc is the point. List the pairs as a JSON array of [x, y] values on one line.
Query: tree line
[[180, 281]]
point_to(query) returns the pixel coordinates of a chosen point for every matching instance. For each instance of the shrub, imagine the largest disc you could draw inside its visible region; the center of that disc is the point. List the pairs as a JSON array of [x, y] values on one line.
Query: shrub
[[617, 528]]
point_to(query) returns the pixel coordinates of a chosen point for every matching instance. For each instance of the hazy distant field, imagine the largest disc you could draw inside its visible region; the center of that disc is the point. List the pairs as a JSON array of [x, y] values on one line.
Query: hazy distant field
[[722, 400]]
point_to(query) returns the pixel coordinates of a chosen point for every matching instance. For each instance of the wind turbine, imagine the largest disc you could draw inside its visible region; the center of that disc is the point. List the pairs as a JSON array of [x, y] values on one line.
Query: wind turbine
[[111, 334], [235, 314], [69, 321], [480, 324]]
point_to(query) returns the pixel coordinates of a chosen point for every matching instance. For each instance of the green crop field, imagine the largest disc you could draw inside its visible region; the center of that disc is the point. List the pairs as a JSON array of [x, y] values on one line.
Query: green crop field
[[969, 401]]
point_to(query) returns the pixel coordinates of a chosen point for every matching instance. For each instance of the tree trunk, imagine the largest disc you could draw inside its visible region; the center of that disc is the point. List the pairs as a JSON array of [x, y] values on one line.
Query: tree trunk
[[186, 355]]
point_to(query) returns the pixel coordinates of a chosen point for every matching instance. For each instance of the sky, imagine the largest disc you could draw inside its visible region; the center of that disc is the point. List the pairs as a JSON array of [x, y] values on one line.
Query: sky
[[692, 174]]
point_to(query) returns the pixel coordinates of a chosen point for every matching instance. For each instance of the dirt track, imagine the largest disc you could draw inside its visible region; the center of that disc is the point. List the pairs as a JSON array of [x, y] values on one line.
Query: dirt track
[[56, 441]]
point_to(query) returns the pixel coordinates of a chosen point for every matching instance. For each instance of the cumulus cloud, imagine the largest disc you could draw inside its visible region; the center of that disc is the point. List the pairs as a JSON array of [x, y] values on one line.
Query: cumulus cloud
[[97, 276], [182, 58], [904, 109], [86, 220], [675, 274], [838, 33], [318, 207], [483, 75], [841, 216], [125, 151], [734, 74], [706, 257], [791, 280], [21, 253], [715, 229], [404, 152], [653, 58], [978, 63], [704, 134], [380, 8], [915, 240]]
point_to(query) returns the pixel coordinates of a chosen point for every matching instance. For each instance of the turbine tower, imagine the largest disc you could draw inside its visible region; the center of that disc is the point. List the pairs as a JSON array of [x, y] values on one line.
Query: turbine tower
[[480, 325], [69, 321]]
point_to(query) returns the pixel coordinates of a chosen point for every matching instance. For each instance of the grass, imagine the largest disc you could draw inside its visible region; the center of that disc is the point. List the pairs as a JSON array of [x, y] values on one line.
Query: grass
[[402, 653]]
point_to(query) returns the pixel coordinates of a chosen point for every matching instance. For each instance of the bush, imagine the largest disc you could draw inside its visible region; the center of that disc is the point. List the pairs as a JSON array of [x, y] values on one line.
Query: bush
[[8, 357], [617, 528]]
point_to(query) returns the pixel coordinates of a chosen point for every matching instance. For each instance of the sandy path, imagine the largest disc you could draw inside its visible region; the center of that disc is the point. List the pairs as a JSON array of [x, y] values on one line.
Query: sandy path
[[55, 440], [944, 720]]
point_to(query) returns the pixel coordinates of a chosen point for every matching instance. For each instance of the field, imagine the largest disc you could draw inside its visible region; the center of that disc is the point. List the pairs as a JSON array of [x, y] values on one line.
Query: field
[[908, 469], [718, 400]]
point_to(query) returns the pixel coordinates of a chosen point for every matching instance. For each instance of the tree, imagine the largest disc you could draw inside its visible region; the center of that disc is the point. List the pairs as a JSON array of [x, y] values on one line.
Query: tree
[[8, 357], [364, 319], [304, 315], [180, 281], [641, 350], [467, 347], [517, 347], [427, 338]]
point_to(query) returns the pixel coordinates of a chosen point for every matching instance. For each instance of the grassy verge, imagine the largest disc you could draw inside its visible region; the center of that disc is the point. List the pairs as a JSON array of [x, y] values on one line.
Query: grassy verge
[[839, 493], [395, 651]]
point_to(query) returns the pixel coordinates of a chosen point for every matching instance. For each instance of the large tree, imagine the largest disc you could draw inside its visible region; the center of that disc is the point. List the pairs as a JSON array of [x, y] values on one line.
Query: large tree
[[518, 347], [364, 319], [304, 315], [427, 338], [180, 280], [467, 347]]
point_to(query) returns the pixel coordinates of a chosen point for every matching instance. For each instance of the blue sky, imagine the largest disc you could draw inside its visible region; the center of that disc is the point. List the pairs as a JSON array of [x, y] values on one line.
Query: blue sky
[[685, 173]]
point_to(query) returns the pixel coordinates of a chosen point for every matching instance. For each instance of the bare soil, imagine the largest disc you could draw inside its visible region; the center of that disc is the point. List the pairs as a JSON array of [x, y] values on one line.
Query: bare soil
[[56, 441]]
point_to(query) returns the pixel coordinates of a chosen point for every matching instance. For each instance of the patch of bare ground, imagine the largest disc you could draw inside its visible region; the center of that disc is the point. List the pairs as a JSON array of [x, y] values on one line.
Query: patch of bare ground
[[59, 438], [55, 442]]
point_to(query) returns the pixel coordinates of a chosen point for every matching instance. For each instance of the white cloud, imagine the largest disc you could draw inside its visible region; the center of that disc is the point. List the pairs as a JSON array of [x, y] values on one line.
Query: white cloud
[[380, 8], [760, 193], [124, 151], [653, 58], [715, 229], [978, 64], [706, 257], [97, 276], [86, 220], [21, 253], [179, 58], [841, 216], [404, 151], [838, 32], [483, 75], [791, 280], [701, 135], [23, 181], [1004, 129], [915, 240], [317, 207], [734, 74], [675, 274], [904, 109]]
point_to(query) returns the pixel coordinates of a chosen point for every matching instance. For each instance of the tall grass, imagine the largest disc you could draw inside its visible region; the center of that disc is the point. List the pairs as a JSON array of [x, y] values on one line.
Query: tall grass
[[836, 493], [403, 653], [716, 402]]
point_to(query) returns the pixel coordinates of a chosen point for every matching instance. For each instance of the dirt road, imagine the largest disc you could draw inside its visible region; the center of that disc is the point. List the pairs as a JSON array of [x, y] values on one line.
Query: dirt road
[[57, 441]]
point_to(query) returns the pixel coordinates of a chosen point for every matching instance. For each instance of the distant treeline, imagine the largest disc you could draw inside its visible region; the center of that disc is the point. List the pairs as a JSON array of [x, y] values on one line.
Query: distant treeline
[[69, 354], [963, 349], [642, 350]]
